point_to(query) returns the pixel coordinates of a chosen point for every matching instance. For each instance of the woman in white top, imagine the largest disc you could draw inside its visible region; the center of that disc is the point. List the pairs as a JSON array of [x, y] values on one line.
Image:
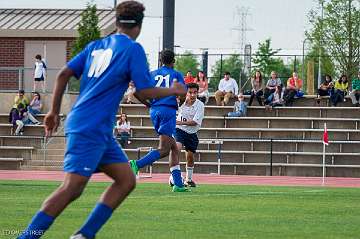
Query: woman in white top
[[123, 129]]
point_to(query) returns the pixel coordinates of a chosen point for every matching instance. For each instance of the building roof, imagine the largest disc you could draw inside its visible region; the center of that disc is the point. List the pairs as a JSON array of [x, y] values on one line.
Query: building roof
[[49, 22]]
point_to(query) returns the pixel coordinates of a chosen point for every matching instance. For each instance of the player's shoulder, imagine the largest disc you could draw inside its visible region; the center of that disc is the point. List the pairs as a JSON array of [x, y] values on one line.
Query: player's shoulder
[[199, 104]]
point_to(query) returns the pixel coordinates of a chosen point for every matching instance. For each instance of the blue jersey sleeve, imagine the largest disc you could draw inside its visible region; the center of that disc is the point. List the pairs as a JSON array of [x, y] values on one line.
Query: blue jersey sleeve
[[77, 63], [139, 69]]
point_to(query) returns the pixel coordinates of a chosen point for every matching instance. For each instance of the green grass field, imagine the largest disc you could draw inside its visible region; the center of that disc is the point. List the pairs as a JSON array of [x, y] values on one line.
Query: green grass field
[[210, 211]]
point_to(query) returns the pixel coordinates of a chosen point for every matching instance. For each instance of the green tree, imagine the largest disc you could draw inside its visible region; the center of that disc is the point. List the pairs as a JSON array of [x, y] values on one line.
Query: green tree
[[232, 64], [88, 31], [338, 33], [265, 61], [186, 62]]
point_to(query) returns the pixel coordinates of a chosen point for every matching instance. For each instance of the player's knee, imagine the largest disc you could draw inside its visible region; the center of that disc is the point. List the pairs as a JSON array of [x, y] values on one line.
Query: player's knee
[[127, 185], [164, 151], [74, 191]]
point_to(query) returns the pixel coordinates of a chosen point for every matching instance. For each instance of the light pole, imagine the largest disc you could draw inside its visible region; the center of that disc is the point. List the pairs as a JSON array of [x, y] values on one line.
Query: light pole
[[320, 42]]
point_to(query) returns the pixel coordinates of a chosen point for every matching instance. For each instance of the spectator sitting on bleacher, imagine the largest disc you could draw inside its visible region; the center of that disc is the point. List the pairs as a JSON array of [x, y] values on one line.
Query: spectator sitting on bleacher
[[129, 97], [341, 89], [355, 90], [202, 81], [227, 89], [274, 99], [35, 105], [257, 88], [327, 87], [239, 107], [21, 98], [189, 78], [123, 130], [16, 119], [293, 88], [272, 84]]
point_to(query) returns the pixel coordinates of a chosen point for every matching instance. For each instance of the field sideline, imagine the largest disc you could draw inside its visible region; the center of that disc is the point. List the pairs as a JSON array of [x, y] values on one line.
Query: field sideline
[[210, 211]]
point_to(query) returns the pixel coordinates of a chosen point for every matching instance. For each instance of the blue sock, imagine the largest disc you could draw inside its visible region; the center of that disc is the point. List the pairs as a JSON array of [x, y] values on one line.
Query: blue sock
[[148, 159], [97, 218], [176, 175], [38, 225]]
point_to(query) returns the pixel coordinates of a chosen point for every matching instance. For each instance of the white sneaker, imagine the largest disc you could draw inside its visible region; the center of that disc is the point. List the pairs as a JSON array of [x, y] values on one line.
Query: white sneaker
[[78, 236]]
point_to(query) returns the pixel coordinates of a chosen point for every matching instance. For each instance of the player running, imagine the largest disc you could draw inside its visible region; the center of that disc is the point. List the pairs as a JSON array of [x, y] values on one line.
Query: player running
[[188, 123], [106, 66], [163, 117]]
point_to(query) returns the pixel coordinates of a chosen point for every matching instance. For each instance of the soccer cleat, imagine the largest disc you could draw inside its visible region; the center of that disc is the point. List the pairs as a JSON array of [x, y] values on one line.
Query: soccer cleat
[[78, 236], [134, 167], [177, 189], [190, 184]]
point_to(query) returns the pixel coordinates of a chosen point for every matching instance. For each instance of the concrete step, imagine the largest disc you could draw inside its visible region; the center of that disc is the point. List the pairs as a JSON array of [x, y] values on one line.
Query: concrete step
[[7, 163], [259, 111], [260, 145], [279, 133], [263, 122], [16, 152], [36, 142]]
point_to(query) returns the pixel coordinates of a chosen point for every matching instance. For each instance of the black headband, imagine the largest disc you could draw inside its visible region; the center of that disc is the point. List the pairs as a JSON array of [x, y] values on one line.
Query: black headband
[[135, 20]]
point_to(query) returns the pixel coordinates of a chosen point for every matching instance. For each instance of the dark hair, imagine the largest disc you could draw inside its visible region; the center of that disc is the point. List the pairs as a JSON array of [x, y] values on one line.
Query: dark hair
[[167, 57], [37, 93], [21, 106], [260, 77], [126, 118], [21, 92], [198, 78], [343, 75], [192, 86], [227, 73], [329, 76], [38, 57], [129, 14]]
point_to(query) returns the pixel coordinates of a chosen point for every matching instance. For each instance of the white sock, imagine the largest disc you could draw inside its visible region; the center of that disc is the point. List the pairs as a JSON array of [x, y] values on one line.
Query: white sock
[[189, 173]]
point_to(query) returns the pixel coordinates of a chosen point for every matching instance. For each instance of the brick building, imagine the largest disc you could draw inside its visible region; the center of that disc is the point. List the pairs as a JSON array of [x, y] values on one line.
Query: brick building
[[48, 32]]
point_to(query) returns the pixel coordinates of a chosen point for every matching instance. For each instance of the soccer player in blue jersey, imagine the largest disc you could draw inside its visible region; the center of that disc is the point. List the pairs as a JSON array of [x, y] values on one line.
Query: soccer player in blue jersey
[[163, 117], [106, 66]]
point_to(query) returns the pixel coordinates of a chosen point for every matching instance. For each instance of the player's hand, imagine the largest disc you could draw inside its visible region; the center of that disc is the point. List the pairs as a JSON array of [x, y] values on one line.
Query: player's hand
[[179, 89], [51, 122]]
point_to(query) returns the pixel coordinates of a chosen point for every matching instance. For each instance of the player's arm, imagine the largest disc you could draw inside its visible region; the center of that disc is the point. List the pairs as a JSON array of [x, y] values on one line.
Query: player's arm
[[51, 120], [158, 92], [142, 100], [188, 123]]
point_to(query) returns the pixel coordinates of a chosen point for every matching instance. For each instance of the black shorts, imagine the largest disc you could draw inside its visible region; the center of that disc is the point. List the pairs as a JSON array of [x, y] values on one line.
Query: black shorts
[[39, 79], [190, 141]]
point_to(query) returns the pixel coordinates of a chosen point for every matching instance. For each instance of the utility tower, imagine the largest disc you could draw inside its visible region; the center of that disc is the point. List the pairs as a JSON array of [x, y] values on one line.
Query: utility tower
[[241, 15]]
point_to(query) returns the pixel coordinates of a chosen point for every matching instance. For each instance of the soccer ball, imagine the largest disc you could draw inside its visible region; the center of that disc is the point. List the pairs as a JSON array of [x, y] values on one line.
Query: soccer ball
[[171, 180]]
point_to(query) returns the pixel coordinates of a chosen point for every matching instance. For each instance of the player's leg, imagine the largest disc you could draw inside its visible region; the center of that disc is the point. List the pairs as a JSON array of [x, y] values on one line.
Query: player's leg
[[69, 190], [115, 194], [114, 163], [190, 147], [164, 121], [174, 161]]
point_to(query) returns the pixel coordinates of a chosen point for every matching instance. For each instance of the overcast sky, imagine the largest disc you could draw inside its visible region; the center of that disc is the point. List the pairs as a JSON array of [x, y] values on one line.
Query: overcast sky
[[210, 23]]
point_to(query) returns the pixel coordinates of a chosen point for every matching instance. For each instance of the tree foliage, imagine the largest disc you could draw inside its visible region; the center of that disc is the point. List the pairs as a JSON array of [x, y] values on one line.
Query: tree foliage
[[338, 33], [187, 62], [265, 61], [232, 64], [88, 31]]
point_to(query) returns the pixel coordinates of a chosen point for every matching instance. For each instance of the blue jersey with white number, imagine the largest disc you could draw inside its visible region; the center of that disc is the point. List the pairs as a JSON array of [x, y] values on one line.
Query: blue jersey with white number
[[164, 77], [106, 66]]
